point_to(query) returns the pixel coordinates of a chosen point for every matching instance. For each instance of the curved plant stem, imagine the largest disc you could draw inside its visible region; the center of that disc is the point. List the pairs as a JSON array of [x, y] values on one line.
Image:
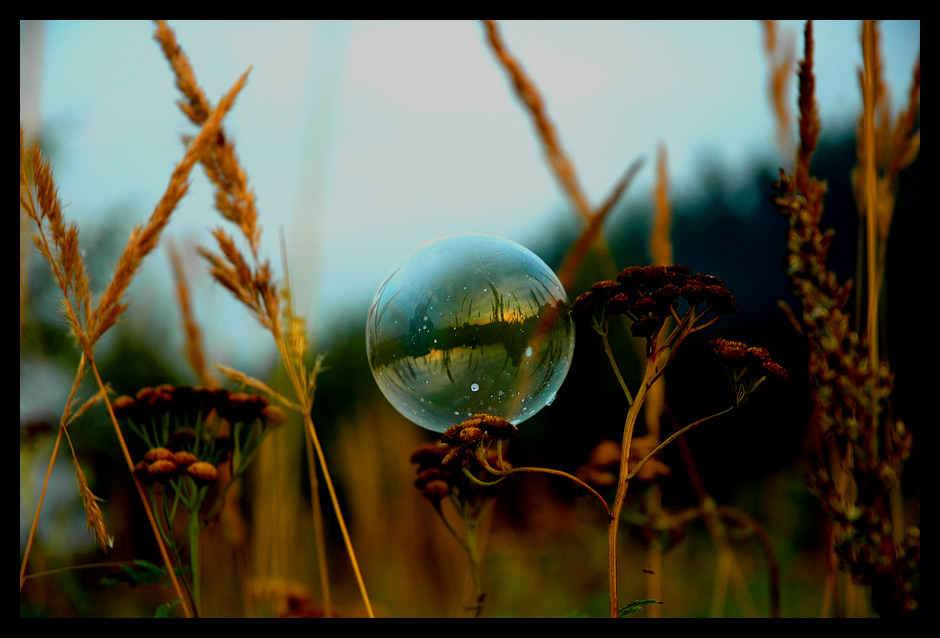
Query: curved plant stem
[[763, 538], [613, 364], [673, 437], [541, 470]]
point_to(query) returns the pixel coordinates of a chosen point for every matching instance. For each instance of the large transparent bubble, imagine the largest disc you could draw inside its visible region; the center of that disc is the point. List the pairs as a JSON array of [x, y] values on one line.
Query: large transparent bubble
[[469, 324]]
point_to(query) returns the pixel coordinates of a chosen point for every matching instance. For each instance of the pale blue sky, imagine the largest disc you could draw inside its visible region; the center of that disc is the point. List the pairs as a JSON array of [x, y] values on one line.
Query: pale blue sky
[[366, 139]]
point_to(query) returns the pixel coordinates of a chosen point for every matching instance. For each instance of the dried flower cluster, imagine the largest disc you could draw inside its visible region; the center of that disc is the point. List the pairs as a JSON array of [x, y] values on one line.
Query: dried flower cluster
[[444, 472], [189, 445], [192, 403], [650, 294], [161, 464], [746, 367], [436, 481], [441, 465]]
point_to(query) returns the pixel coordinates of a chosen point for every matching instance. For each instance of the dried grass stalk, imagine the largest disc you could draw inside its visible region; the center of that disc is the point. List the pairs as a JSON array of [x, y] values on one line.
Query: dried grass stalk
[[93, 517], [56, 240], [194, 352], [144, 238], [660, 242], [809, 119], [779, 51], [252, 282], [63, 254], [243, 379], [234, 199], [562, 167], [528, 92]]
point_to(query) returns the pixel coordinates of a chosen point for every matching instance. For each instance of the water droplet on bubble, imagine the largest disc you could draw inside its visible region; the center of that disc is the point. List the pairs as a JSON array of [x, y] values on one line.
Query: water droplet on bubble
[[429, 336]]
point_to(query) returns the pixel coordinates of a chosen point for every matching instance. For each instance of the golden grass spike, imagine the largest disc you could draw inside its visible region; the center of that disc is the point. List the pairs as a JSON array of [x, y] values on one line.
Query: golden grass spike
[[243, 379], [191, 329], [87, 405], [591, 232], [870, 94], [144, 238], [234, 199], [660, 243], [779, 54], [62, 253], [94, 519], [197, 107], [809, 118], [906, 142], [561, 166]]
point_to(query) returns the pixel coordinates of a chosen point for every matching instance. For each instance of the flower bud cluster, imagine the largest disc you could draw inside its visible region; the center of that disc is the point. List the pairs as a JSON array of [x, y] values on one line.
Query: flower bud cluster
[[435, 480], [187, 450], [160, 464], [191, 403], [441, 465], [746, 367], [739, 357], [650, 294]]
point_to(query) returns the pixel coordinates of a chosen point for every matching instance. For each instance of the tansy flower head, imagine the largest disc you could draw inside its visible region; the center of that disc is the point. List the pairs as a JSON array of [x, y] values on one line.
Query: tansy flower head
[[649, 295], [746, 367], [203, 472]]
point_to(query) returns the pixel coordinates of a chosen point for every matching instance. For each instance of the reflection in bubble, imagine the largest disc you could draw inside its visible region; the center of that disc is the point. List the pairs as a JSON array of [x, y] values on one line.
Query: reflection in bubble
[[469, 324]]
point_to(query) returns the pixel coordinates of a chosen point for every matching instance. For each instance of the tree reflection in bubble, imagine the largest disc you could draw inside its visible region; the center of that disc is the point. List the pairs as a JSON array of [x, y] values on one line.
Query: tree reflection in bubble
[[469, 324]]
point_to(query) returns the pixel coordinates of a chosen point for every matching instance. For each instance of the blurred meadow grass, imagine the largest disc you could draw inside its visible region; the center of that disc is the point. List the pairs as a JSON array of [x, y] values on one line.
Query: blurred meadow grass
[[278, 549]]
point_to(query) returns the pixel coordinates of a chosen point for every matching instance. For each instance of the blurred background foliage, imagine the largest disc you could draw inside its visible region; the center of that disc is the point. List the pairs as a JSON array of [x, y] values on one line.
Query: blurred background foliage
[[545, 550]]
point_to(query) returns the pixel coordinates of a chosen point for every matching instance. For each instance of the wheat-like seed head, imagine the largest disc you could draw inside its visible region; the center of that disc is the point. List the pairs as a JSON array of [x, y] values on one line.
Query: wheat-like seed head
[[62, 252], [93, 516], [779, 52], [190, 328], [527, 91], [143, 239], [243, 379], [234, 199], [809, 117]]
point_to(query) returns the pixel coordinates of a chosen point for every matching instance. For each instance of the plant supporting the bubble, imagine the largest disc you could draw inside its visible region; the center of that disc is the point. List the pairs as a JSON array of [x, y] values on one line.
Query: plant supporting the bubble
[[443, 474]]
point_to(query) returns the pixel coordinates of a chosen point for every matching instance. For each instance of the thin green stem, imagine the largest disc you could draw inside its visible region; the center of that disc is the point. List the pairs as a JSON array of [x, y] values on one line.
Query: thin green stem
[[613, 360], [471, 526], [673, 437], [542, 470], [470, 477], [623, 482], [192, 528]]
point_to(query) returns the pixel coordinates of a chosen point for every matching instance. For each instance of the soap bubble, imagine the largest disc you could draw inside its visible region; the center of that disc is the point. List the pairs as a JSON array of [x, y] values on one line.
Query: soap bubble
[[469, 324]]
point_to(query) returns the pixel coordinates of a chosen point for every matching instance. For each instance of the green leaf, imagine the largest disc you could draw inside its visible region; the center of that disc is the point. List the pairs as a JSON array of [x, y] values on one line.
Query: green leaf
[[141, 573], [635, 606], [163, 611]]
